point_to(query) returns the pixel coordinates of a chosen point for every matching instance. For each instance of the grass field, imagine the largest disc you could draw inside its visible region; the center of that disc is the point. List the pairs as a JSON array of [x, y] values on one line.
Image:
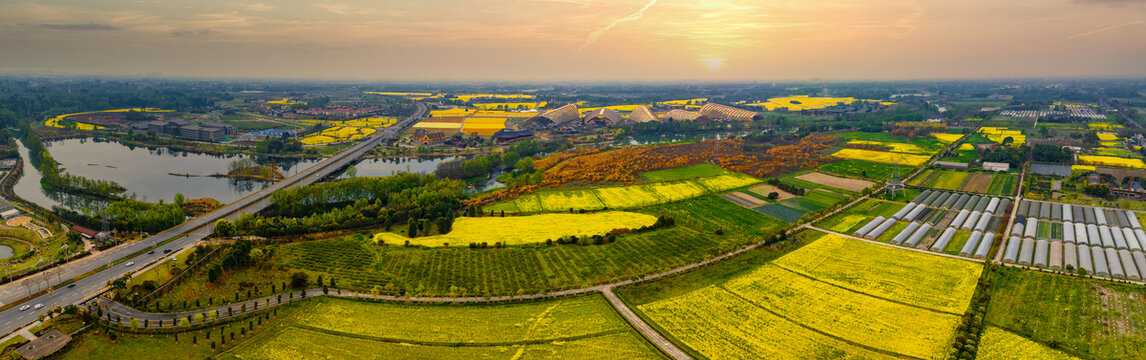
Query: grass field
[[1092, 319], [626, 197], [516, 230], [988, 183], [997, 343], [857, 216], [781, 212], [809, 305], [357, 263], [684, 173]]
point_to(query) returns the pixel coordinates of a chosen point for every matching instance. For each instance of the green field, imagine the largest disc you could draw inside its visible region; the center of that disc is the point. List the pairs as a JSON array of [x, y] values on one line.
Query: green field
[[855, 217], [964, 156], [1088, 318], [684, 173], [356, 263], [862, 168]]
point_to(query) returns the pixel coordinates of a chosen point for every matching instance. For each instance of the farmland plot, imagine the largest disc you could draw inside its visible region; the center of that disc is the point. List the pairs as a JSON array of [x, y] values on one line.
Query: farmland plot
[[997, 343], [515, 230], [836, 182]]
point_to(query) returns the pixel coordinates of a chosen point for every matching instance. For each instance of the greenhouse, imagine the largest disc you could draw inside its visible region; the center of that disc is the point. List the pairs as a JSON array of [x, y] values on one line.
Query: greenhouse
[[1133, 219], [1099, 258], [960, 218], [1119, 239], [869, 227], [984, 220], [1021, 210], [1088, 212], [1055, 259], [914, 213], [1114, 263], [1056, 212], [1104, 234], [1069, 257], [1067, 213], [918, 235], [879, 230], [971, 220], [1128, 266], [982, 205], [1041, 250], [1092, 235], [1027, 252], [1123, 221], [941, 199], [1100, 217], [971, 203], [985, 245], [950, 203], [1031, 229], [923, 195], [943, 240], [1012, 252], [1017, 228], [1033, 211], [931, 198], [1080, 234], [1140, 263], [959, 204], [1141, 235], [905, 233], [993, 205], [1068, 232], [1084, 259], [903, 211], [971, 244], [1003, 206], [1045, 211]]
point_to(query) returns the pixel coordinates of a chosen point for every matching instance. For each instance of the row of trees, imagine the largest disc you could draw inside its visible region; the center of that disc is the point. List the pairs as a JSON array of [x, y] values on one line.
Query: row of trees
[[127, 215]]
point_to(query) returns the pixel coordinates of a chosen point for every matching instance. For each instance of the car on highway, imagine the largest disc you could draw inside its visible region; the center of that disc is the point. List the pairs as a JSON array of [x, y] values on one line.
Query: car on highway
[[72, 285], [130, 263], [166, 251], [25, 307], [38, 306], [152, 252]]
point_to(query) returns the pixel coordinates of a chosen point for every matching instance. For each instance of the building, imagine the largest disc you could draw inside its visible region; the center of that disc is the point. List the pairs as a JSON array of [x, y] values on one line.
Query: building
[[8, 164], [953, 165], [83, 231], [10, 213], [604, 117], [996, 166], [211, 133], [507, 136], [559, 116], [681, 115], [1093, 179], [190, 132], [721, 112], [426, 138], [642, 114], [158, 126], [228, 129]]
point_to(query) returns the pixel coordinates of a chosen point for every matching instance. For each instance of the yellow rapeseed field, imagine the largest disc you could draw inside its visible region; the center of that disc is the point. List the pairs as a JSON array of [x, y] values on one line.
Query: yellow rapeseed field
[[1110, 143], [947, 138], [515, 230], [285, 102], [510, 105], [674, 191], [937, 283], [375, 122], [805, 102], [966, 146], [504, 114], [1107, 137], [1112, 161], [719, 324], [1081, 168], [431, 124], [1004, 345], [857, 317], [881, 157], [998, 134], [895, 147], [55, 122], [389, 93], [725, 182], [337, 134], [457, 112], [484, 123], [614, 107], [696, 101], [1103, 125], [621, 197], [468, 97]]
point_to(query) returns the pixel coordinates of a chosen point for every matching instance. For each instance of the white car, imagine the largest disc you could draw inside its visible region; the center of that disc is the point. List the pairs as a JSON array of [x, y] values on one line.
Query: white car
[[130, 263], [38, 306], [25, 307]]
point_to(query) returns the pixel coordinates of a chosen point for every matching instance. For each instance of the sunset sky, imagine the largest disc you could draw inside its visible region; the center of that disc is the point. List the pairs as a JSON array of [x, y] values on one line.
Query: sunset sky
[[646, 40]]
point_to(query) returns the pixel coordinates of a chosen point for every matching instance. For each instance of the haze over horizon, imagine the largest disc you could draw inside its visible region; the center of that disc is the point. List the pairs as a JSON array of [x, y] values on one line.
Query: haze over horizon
[[586, 40]]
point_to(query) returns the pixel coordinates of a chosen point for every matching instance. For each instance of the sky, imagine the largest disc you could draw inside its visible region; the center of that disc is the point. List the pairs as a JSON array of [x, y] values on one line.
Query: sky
[[576, 40]]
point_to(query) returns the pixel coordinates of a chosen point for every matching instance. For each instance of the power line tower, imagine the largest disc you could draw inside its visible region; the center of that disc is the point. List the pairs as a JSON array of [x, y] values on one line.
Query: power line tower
[[895, 184]]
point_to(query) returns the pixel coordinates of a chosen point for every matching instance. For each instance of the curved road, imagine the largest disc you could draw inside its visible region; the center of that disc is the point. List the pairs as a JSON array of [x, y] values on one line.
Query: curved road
[[181, 236]]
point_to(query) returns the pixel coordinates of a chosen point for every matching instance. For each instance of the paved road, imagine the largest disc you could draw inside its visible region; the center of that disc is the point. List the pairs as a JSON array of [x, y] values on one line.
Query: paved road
[[181, 236]]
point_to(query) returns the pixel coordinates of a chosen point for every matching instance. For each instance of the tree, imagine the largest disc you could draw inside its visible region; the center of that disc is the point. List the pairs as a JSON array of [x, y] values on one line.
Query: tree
[[773, 195], [298, 280], [178, 199], [224, 228]]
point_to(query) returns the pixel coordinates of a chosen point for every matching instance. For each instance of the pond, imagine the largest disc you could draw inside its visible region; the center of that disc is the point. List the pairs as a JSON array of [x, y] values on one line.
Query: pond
[[6, 252], [155, 174]]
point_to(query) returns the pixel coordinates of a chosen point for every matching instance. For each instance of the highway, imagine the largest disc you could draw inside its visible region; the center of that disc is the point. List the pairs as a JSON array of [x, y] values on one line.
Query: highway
[[181, 236]]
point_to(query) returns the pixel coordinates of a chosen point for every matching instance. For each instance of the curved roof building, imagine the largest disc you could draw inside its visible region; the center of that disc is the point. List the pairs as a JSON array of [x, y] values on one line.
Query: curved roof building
[[562, 114], [721, 112], [682, 115], [606, 117], [642, 114]]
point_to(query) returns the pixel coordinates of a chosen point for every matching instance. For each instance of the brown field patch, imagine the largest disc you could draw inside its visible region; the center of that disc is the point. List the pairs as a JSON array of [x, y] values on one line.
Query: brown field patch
[[978, 183], [749, 199], [765, 189], [838, 182]]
